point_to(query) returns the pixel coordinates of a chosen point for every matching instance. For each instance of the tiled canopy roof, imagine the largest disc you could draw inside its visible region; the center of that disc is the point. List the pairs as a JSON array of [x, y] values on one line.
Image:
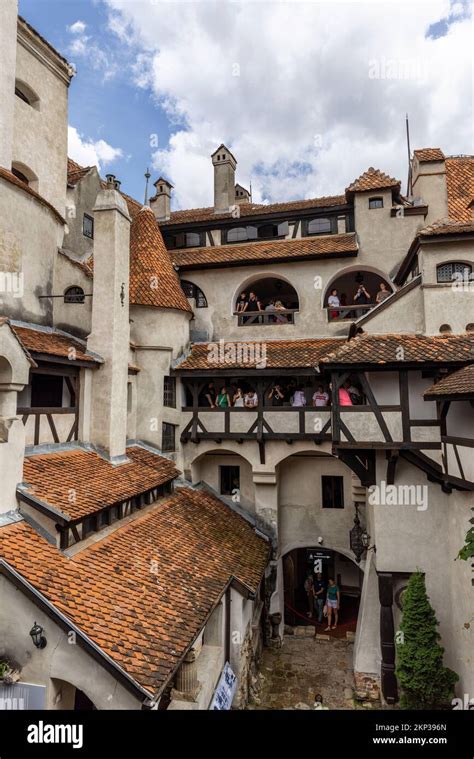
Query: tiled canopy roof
[[94, 481], [399, 349], [460, 382], [373, 179], [278, 354], [447, 227], [460, 186], [237, 254], [12, 179], [153, 281], [425, 155], [87, 267], [75, 172], [53, 342], [251, 209], [143, 593]]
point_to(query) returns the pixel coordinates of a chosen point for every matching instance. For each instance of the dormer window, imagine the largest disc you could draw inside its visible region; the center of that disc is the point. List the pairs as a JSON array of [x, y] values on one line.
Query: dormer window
[[375, 203], [19, 175]]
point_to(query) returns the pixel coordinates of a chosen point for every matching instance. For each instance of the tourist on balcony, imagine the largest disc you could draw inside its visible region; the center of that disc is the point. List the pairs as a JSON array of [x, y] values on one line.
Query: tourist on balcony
[[344, 397], [383, 293], [242, 302], [362, 297], [320, 397], [333, 602], [223, 398], [280, 318], [250, 399], [299, 398], [253, 305], [354, 393], [277, 395], [269, 309], [208, 395], [238, 399], [334, 303]]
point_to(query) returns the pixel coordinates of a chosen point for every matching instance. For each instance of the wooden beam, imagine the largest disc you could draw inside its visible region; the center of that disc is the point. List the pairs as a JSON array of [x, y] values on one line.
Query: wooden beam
[[374, 406], [387, 638]]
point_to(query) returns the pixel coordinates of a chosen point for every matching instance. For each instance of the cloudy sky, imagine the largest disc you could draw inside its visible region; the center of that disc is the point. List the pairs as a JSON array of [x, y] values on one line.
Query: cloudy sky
[[306, 94]]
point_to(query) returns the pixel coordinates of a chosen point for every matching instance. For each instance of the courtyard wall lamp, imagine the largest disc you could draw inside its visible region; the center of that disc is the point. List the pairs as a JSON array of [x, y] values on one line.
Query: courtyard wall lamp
[[37, 636]]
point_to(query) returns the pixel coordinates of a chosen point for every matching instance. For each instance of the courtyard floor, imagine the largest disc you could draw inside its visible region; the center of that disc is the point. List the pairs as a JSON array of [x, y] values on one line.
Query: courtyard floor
[[290, 676]]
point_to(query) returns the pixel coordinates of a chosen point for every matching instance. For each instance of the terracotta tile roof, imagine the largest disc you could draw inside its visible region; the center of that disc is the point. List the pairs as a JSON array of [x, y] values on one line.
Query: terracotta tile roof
[[153, 281], [429, 154], [143, 593], [447, 227], [320, 246], [395, 349], [6, 320], [373, 179], [252, 209], [279, 354], [87, 267], [460, 382], [12, 179], [53, 342], [460, 186], [96, 483], [75, 172]]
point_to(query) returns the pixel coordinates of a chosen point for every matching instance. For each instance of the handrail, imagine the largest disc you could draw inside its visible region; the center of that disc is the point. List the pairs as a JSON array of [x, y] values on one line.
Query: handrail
[[277, 317]]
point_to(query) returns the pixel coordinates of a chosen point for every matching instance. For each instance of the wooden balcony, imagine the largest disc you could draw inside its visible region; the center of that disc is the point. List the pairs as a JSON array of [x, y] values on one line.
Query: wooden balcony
[[273, 318]]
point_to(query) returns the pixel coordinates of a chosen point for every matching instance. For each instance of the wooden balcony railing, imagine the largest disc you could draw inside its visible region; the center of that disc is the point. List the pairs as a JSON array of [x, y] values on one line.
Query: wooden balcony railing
[[277, 318], [342, 313]]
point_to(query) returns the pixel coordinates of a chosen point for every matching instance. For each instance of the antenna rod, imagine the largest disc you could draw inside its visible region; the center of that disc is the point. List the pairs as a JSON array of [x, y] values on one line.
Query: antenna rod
[[409, 184], [147, 177]]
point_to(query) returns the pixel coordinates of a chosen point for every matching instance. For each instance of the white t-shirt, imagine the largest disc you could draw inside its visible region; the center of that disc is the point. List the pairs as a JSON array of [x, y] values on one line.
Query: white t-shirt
[[299, 398], [321, 399], [238, 402], [251, 401], [334, 301]]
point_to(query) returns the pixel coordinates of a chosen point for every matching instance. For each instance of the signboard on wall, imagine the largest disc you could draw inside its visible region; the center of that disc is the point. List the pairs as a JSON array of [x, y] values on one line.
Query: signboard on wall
[[225, 691], [21, 696]]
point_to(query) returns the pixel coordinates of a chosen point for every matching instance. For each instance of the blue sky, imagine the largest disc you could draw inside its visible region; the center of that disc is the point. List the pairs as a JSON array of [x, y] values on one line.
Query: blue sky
[[307, 95], [113, 109]]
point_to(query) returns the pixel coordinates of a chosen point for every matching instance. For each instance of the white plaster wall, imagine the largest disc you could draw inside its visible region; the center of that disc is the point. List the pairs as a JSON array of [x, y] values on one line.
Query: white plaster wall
[[59, 659], [207, 470]]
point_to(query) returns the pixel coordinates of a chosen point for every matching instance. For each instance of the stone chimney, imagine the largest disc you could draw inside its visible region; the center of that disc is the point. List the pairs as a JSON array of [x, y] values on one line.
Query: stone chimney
[[161, 203], [224, 179], [8, 43], [110, 334]]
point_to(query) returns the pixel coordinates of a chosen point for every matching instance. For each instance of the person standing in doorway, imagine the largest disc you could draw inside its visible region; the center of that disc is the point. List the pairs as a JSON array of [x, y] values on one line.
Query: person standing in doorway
[[309, 589], [319, 595], [333, 602]]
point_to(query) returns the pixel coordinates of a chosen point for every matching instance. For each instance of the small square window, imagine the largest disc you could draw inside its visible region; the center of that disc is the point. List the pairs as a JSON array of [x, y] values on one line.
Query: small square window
[[332, 489], [169, 392], [375, 202], [168, 437], [88, 226]]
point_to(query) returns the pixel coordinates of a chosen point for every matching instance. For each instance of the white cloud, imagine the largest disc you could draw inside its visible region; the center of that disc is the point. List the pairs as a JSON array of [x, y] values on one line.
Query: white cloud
[[89, 152], [307, 95], [78, 27]]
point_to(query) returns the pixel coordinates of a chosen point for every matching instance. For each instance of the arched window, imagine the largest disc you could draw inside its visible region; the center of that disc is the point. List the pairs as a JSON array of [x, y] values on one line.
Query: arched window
[[453, 270], [319, 227], [25, 174], [74, 294], [193, 291], [27, 94]]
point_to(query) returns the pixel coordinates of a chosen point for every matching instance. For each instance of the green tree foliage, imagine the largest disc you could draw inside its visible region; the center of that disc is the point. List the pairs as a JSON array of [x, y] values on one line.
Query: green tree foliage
[[424, 681], [467, 551]]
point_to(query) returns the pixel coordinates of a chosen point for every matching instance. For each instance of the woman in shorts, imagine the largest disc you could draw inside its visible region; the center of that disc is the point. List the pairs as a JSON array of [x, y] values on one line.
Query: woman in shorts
[[332, 602]]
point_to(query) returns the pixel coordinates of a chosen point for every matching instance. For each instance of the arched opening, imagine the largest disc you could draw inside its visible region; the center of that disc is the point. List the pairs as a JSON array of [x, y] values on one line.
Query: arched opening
[[227, 473], [452, 271], [354, 292], [22, 172], [83, 703], [193, 292], [266, 300], [74, 294], [27, 94], [307, 571], [5, 371]]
